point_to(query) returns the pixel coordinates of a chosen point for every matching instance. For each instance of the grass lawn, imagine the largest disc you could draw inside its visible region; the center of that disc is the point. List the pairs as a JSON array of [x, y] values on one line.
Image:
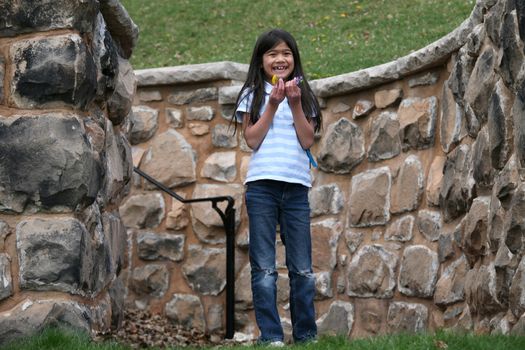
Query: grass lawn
[[66, 340], [334, 37]]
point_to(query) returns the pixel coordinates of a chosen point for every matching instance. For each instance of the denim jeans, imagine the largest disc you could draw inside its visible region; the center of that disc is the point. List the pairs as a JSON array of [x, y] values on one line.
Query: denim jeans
[[269, 203]]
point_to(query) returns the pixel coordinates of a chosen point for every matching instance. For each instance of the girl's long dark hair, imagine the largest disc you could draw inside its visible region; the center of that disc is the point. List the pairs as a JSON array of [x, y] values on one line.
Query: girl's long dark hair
[[256, 77]]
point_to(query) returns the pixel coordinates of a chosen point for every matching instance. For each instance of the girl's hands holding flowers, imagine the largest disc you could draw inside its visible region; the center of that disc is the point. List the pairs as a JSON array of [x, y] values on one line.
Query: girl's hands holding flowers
[[278, 92], [293, 92]]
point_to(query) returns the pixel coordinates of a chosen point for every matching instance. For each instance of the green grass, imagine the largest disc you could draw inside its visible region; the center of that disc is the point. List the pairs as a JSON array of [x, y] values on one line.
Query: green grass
[[334, 37], [57, 339]]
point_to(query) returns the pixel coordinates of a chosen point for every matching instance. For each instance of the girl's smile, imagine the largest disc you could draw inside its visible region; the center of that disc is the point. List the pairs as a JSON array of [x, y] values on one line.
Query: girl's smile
[[278, 61]]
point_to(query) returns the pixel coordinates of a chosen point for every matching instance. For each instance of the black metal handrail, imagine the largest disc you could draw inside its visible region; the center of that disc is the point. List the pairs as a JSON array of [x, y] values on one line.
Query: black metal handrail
[[228, 219]]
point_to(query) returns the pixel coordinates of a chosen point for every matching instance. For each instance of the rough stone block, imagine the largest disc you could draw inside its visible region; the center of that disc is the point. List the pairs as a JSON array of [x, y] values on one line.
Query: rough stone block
[[60, 242], [27, 16], [370, 198], [204, 269], [57, 170], [52, 72]]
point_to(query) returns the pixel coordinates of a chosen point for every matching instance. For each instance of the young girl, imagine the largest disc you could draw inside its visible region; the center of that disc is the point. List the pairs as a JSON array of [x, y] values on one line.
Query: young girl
[[279, 121]]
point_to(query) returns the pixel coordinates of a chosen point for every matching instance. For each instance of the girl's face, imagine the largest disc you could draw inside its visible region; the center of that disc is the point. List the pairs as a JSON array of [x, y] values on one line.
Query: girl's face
[[278, 61]]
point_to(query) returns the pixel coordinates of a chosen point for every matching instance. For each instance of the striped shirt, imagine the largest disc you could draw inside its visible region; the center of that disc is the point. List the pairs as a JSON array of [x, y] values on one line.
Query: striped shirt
[[280, 156]]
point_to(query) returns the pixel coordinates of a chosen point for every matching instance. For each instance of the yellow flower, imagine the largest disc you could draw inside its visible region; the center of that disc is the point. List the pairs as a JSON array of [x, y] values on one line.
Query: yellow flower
[[275, 79]]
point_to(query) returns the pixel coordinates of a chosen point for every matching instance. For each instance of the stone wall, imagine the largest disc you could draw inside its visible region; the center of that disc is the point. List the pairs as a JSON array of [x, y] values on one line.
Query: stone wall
[[66, 86], [418, 216]]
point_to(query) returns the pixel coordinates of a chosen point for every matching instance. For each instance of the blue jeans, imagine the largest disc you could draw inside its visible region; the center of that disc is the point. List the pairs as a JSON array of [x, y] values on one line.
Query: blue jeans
[[270, 202]]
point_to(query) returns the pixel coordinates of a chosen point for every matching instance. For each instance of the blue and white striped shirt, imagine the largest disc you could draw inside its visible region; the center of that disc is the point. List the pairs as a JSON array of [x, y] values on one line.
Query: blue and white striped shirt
[[280, 155]]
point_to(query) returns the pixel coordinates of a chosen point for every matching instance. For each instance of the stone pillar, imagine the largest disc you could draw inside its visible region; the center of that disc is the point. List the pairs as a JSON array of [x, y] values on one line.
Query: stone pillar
[[66, 86]]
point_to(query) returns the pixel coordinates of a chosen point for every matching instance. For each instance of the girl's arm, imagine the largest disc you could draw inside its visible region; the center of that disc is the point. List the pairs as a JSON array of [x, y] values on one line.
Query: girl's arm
[[254, 134], [303, 127]]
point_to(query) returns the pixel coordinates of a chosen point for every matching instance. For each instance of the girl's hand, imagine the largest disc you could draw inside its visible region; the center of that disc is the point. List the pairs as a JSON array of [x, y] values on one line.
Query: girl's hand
[[293, 92], [278, 93]]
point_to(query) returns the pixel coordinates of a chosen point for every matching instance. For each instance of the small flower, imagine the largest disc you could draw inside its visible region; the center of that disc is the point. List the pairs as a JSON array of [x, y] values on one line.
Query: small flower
[[275, 79]]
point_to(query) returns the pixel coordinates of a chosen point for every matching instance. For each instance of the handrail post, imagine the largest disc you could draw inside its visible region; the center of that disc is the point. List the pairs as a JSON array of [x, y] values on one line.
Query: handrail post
[[229, 225], [228, 220]]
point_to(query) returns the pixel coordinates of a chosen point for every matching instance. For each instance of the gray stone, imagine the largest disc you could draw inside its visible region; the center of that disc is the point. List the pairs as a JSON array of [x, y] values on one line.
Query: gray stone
[[60, 241], [362, 108], [29, 318], [434, 180], [340, 108], [519, 328], [186, 311], [480, 86], [177, 218], [353, 240], [143, 210], [514, 237], [517, 291], [143, 124], [480, 290], [243, 289], [6, 281], [119, 103], [192, 73], [2, 74], [386, 98], [458, 187], [518, 112], [106, 59], [325, 238], [475, 40], [170, 159], [149, 95], [323, 285], [117, 166], [118, 292], [506, 181], [339, 319], [152, 246], [206, 222], [384, 139], [452, 128], [199, 129], [221, 136], [342, 147], [192, 96], [446, 246], [494, 21], [214, 320], [418, 272], [204, 269], [424, 79], [24, 17], [57, 171], [370, 198], [150, 281], [400, 230], [202, 113], [51, 72], [407, 317], [228, 94], [325, 200], [220, 166], [512, 49], [122, 28], [417, 120], [407, 187], [429, 224], [499, 126], [371, 273], [4, 232], [174, 118], [482, 170], [474, 234], [460, 74], [451, 284]]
